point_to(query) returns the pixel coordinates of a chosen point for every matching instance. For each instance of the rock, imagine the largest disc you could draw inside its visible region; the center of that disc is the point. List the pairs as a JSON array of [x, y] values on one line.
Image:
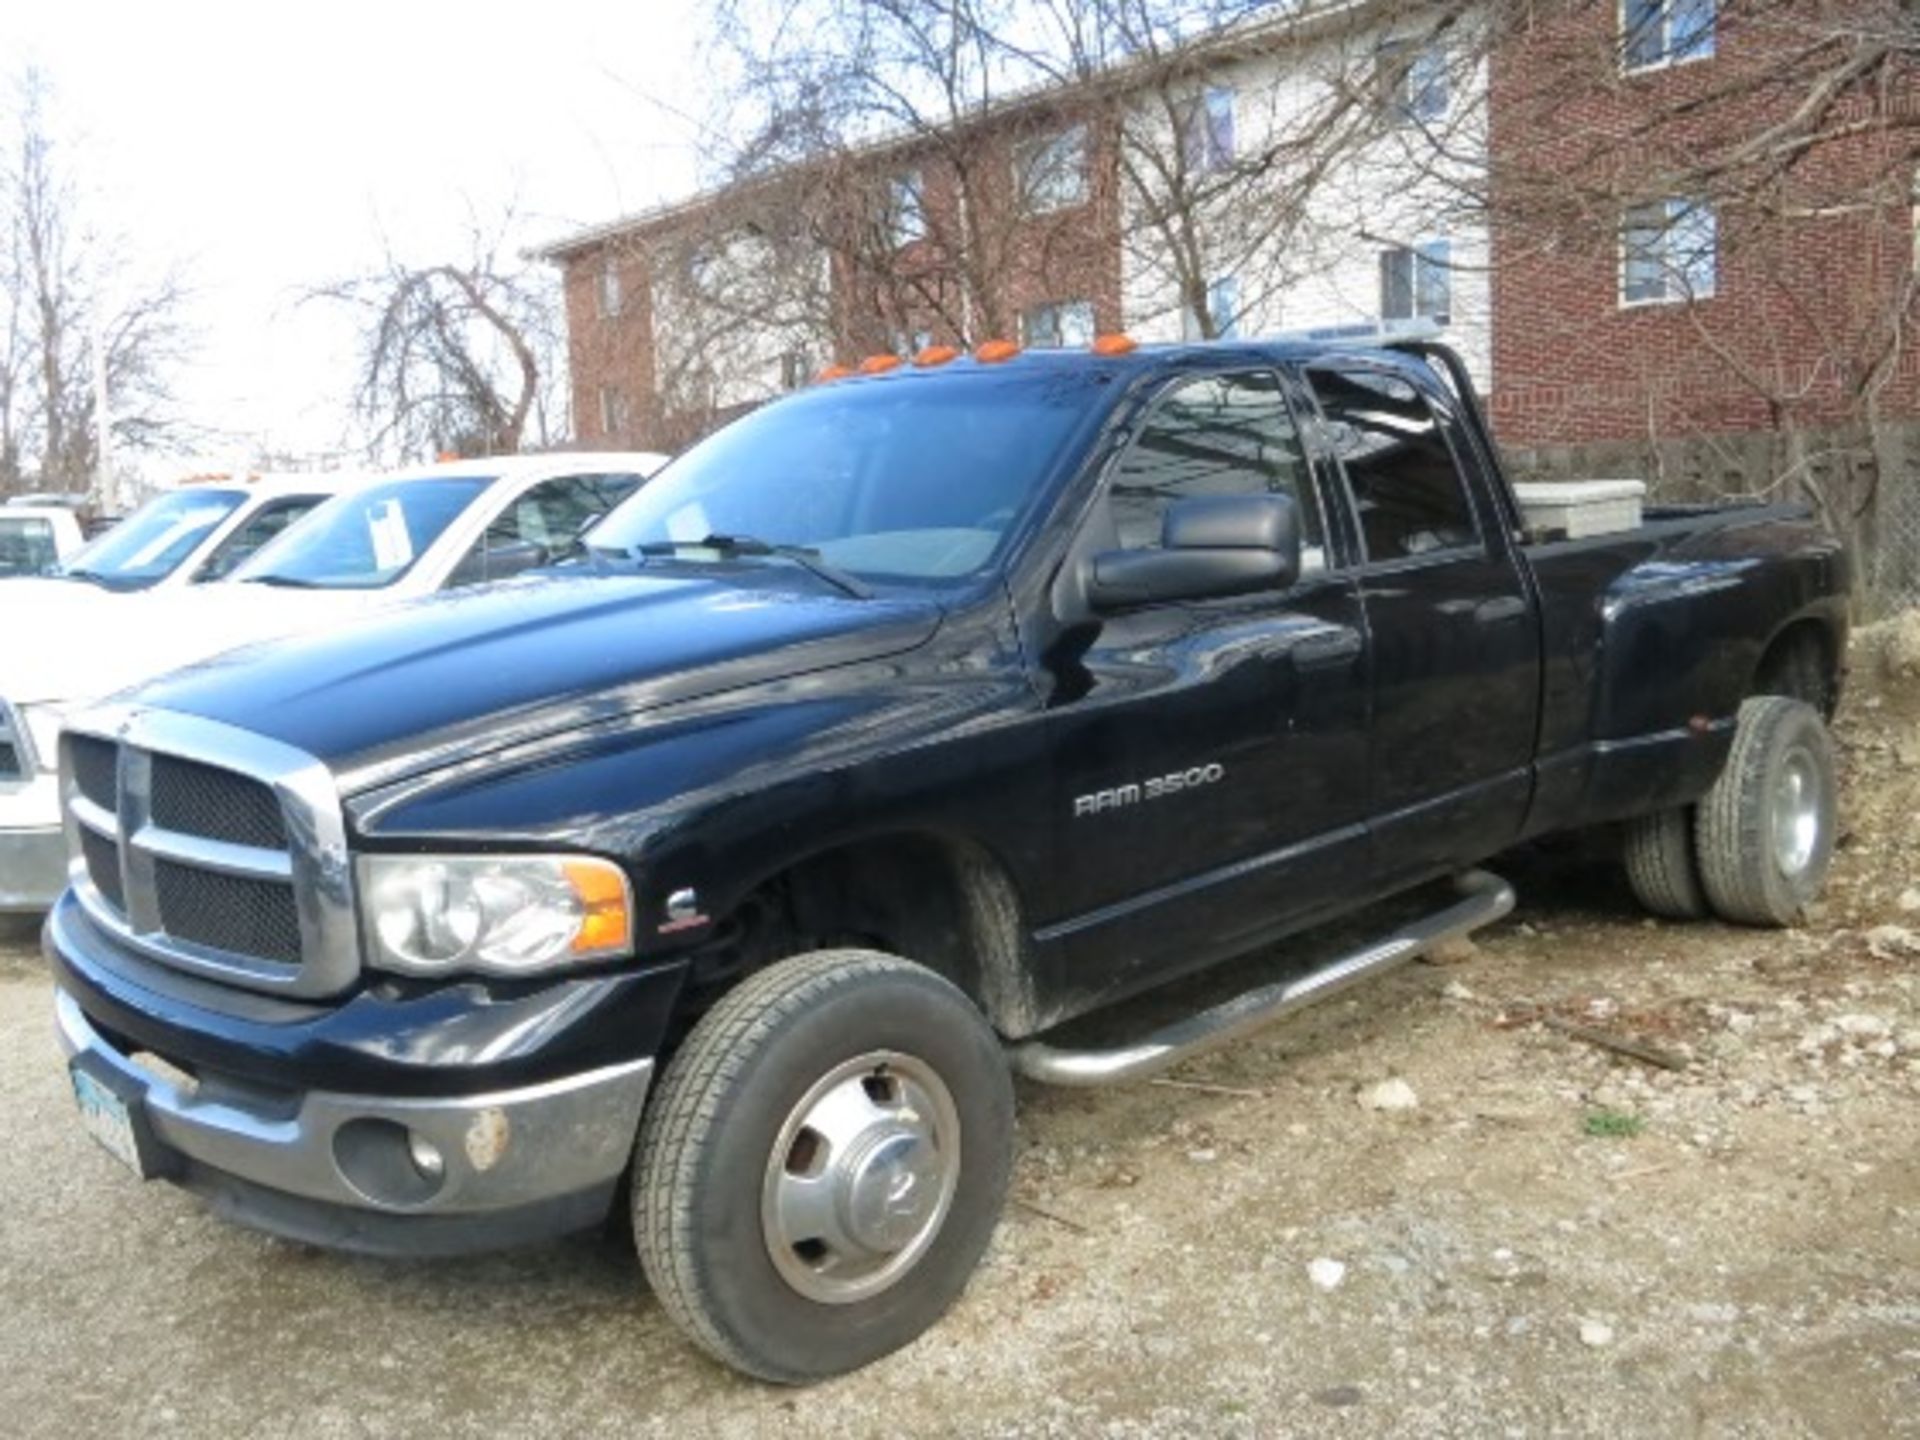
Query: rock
[[1595, 1333], [1890, 942], [1203, 1157], [1326, 1274], [1456, 951], [1454, 990], [1862, 1027], [1910, 899], [1392, 1094]]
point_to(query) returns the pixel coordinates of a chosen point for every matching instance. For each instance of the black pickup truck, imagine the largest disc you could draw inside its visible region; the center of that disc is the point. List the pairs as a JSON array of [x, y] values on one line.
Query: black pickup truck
[[731, 872]]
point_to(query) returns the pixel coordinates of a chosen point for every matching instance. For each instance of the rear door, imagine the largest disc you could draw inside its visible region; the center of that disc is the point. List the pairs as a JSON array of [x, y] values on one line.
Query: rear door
[[1454, 642], [1206, 753]]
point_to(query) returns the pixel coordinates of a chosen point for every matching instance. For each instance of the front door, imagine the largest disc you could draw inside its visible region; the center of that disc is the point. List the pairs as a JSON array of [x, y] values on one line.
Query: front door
[[1455, 645], [1207, 753]]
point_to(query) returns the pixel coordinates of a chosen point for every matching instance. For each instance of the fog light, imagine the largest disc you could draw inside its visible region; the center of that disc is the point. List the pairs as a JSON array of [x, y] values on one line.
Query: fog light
[[426, 1156]]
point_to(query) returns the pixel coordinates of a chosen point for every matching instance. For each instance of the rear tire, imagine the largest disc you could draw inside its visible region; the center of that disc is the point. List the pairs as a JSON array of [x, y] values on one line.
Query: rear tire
[[1661, 868], [1764, 832], [823, 1164]]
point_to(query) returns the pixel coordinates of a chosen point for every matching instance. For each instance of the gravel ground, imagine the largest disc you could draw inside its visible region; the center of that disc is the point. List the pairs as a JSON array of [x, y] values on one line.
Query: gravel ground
[[1247, 1249]]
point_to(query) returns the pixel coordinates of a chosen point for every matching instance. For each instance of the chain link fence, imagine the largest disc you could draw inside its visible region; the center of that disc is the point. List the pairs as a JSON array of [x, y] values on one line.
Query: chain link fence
[[1864, 484]]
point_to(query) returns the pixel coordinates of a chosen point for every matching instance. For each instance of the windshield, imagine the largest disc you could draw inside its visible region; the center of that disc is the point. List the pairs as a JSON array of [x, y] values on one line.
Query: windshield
[[365, 540], [151, 543], [26, 545], [918, 479]]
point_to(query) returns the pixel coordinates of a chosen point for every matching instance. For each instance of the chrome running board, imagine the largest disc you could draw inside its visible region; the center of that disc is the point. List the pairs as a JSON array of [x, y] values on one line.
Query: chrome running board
[[1485, 898]]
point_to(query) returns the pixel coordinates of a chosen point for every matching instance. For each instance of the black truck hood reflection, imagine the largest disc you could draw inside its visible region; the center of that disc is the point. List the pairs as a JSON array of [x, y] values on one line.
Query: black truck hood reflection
[[459, 675]]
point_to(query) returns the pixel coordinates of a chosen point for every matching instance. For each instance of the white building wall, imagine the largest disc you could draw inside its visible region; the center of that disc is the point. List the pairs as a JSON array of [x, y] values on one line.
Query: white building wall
[[1321, 270]]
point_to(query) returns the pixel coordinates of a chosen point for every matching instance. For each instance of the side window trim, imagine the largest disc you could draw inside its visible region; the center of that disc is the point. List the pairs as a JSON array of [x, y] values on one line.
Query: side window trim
[[1288, 387], [1364, 562], [306, 504]]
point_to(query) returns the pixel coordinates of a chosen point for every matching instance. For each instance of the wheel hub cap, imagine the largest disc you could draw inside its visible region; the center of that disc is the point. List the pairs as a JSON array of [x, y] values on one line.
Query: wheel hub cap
[[1796, 813], [861, 1177]]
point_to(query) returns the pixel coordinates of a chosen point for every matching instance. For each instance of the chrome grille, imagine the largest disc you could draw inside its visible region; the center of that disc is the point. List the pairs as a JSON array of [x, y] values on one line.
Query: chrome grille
[[196, 799], [94, 765], [211, 849], [228, 912], [102, 857]]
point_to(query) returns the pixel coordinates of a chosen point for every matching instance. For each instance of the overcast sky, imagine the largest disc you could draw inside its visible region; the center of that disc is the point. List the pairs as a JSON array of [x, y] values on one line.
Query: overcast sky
[[270, 147]]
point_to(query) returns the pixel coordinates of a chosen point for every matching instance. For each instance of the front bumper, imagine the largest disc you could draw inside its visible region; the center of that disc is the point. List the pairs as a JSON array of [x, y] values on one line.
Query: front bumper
[[555, 1148], [33, 869]]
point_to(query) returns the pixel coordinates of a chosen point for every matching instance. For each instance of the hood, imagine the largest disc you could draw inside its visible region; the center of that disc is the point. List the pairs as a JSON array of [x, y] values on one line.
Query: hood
[[71, 643], [472, 671]]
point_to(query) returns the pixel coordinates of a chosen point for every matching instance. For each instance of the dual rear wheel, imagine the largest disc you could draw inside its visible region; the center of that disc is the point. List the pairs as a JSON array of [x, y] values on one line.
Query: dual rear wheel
[[1756, 849]]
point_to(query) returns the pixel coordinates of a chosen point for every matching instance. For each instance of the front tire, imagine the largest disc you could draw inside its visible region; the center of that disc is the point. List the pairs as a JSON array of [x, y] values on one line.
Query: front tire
[[1764, 833], [823, 1164]]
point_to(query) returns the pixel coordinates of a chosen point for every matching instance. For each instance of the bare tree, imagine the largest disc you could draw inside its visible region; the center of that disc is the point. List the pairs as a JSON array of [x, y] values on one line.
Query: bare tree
[[456, 356], [68, 290]]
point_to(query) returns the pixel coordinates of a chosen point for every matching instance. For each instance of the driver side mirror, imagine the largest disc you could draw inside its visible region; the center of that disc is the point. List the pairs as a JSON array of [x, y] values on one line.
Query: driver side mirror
[[1211, 546], [501, 560]]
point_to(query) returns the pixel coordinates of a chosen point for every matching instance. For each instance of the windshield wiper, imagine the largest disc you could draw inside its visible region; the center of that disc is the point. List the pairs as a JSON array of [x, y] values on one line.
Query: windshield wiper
[[748, 545]]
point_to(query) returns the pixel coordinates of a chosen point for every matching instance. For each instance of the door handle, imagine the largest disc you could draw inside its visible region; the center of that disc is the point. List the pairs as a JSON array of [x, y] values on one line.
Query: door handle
[[1499, 610], [1323, 652]]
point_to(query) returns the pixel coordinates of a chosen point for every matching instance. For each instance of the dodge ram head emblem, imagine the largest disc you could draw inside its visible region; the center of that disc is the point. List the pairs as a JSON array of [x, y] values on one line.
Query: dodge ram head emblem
[[1158, 788]]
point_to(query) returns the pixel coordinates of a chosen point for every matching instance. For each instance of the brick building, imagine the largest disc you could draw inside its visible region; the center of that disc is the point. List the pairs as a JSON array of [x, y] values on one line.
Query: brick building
[[1702, 227], [1018, 224]]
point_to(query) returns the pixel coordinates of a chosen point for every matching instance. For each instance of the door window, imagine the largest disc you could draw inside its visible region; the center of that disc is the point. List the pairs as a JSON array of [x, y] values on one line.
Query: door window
[[541, 525], [1215, 435], [1406, 486], [253, 532]]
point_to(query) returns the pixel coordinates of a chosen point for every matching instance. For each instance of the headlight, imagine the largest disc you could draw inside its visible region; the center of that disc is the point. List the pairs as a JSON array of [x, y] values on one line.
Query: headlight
[[43, 724], [500, 914]]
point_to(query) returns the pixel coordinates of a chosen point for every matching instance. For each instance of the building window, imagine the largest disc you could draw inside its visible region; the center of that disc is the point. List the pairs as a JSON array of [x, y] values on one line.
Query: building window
[[606, 288], [1050, 171], [1669, 252], [1416, 282], [906, 209], [1052, 326], [1206, 140], [613, 410], [1654, 33], [1223, 312], [1415, 82]]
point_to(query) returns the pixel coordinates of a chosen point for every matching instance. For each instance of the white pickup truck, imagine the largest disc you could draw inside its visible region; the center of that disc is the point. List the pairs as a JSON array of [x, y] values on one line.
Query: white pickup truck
[[36, 539], [384, 540]]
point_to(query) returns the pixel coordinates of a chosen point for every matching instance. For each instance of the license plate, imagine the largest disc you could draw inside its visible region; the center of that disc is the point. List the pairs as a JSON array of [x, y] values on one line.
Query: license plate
[[106, 1117]]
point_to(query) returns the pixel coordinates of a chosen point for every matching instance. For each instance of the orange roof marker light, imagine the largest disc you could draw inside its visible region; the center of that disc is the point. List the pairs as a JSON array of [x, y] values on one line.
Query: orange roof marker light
[[832, 372], [879, 364], [1114, 344], [936, 355], [996, 351]]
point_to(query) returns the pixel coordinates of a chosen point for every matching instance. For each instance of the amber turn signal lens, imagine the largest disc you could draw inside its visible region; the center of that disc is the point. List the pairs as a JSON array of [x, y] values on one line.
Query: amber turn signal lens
[[602, 892], [994, 351], [1114, 344], [833, 372], [879, 364], [936, 355]]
